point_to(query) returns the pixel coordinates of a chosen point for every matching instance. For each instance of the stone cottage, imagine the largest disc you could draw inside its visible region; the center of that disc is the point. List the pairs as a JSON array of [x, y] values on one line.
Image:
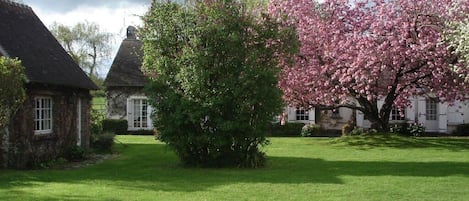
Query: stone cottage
[[56, 113], [125, 83]]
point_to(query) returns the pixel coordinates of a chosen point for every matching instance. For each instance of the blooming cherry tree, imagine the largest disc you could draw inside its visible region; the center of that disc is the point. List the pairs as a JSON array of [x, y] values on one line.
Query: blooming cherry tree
[[356, 52]]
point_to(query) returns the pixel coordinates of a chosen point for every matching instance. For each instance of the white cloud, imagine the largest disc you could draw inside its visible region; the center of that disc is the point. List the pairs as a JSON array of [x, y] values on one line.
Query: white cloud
[[113, 20]]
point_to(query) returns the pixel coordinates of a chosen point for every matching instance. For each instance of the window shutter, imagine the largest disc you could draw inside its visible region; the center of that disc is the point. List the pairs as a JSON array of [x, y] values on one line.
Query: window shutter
[[150, 120], [129, 114]]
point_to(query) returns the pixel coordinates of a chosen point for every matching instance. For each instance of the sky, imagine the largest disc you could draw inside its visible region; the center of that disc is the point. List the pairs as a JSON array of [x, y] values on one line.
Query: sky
[[112, 16]]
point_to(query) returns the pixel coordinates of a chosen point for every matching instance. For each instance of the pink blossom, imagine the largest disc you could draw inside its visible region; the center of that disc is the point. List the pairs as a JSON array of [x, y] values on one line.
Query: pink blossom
[[371, 49]]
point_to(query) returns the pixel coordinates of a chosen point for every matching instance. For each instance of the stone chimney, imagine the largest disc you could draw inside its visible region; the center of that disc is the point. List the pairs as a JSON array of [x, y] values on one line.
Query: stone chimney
[[131, 32]]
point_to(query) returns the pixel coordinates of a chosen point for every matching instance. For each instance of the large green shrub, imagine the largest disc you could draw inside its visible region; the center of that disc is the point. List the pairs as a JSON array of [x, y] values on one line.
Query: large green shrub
[[213, 80], [117, 126]]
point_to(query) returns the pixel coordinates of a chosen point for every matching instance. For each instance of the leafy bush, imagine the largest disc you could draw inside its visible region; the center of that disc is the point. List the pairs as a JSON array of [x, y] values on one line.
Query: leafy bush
[[104, 142], [310, 130], [407, 129], [75, 153], [117, 126], [462, 130], [416, 130], [214, 86], [11, 98], [289, 129], [97, 118]]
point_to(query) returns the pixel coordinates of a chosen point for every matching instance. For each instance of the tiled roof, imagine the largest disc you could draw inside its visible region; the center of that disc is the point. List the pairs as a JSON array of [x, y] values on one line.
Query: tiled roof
[[23, 35], [125, 69]]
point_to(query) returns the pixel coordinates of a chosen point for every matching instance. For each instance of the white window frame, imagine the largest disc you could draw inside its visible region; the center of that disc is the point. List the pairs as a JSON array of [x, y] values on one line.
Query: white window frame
[[140, 112], [431, 109], [43, 115], [131, 114], [396, 115], [301, 114]]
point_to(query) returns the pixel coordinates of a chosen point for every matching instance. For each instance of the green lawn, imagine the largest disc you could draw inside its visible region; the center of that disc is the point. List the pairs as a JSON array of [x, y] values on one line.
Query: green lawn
[[99, 103], [299, 169]]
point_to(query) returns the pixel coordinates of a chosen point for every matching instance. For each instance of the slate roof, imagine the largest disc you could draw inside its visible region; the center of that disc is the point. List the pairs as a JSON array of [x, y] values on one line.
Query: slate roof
[[23, 35], [125, 69]]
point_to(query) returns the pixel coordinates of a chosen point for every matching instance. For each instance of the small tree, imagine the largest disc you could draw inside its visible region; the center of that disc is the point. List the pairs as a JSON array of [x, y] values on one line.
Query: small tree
[[12, 96], [355, 53], [213, 71]]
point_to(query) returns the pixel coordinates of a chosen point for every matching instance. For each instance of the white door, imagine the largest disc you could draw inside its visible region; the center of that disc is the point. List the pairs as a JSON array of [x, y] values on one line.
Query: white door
[[431, 115], [79, 135], [138, 114]]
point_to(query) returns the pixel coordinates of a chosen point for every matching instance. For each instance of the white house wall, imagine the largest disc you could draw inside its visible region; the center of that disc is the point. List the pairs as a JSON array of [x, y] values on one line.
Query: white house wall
[[448, 116]]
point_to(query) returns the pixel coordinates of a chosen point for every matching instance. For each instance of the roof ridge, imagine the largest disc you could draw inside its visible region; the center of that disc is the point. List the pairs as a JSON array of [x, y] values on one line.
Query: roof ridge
[[17, 4]]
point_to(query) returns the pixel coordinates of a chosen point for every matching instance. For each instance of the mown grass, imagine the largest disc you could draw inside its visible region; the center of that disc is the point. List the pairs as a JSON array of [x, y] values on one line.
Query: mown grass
[[99, 103], [359, 168]]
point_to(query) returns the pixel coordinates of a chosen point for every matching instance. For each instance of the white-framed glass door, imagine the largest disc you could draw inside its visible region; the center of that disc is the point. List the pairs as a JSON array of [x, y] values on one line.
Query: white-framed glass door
[[431, 115], [139, 114]]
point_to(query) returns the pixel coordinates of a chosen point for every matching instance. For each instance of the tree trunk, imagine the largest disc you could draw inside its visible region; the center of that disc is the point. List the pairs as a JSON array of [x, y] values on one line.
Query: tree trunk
[[93, 64], [378, 122], [380, 125], [379, 117]]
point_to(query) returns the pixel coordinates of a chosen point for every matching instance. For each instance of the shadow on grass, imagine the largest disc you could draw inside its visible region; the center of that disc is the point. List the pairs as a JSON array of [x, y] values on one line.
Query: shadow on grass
[[400, 142], [154, 167]]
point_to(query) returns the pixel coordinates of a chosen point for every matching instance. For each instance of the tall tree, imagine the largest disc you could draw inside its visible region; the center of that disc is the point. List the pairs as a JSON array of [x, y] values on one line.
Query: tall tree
[[12, 95], [86, 43], [213, 76], [354, 53]]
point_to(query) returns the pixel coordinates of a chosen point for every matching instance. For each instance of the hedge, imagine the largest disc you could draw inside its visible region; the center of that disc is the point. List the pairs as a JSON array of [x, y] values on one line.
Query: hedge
[[117, 126]]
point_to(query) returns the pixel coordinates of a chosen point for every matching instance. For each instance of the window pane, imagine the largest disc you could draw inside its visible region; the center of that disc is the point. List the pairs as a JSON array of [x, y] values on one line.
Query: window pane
[[431, 110], [397, 115], [43, 114], [140, 114], [48, 125], [302, 114]]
